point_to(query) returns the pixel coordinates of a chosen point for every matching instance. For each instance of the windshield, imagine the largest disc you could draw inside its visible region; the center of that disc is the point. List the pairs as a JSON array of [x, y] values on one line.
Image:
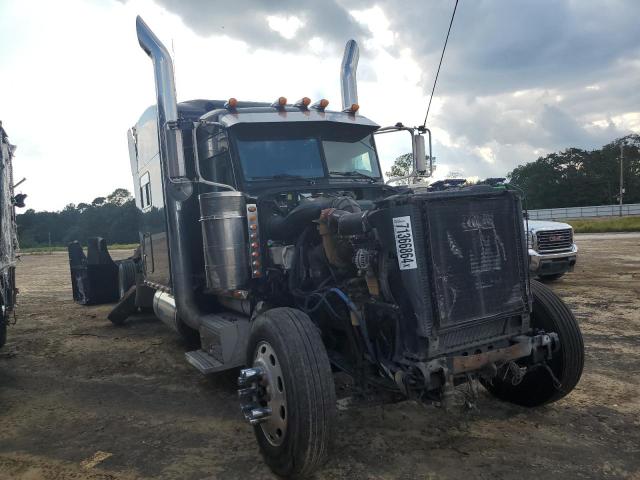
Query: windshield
[[308, 151], [271, 158], [349, 157]]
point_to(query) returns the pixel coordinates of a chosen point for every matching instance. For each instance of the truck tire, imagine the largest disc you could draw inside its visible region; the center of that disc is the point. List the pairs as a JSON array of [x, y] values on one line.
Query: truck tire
[[295, 440], [126, 276], [550, 277], [537, 388]]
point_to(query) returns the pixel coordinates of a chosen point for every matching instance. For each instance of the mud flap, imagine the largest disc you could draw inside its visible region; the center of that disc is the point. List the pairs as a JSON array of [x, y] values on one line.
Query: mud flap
[[94, 277], [125, 308]]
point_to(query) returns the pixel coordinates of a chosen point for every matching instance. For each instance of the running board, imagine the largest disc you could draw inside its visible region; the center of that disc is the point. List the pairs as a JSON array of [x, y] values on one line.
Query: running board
[[223, 338], [205, 363]]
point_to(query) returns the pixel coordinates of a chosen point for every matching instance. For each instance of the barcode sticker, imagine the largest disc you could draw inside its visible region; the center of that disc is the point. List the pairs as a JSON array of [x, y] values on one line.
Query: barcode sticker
[[404, 243]]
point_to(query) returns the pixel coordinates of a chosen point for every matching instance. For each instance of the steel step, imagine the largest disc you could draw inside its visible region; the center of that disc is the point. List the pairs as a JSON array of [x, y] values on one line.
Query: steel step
[[224, 336], [204, 362]]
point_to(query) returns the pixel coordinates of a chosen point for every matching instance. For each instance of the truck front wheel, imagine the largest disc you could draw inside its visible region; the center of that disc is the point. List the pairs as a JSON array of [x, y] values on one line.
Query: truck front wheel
[[545, 385], [292, 400], [550, 277]]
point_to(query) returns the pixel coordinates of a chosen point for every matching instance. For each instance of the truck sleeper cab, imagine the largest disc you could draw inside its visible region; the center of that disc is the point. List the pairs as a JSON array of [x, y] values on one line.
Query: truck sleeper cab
[[270, 240]]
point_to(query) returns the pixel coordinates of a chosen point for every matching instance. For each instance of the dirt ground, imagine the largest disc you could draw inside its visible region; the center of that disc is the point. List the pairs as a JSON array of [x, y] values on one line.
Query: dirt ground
[[81, 398]]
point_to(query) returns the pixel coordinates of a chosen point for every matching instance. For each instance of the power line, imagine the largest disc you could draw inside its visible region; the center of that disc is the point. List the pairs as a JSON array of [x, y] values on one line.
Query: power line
[[435, 81]]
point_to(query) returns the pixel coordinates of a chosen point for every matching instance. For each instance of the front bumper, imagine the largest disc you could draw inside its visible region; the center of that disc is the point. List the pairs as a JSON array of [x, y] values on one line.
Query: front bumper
[[552, 263], [530, 350]]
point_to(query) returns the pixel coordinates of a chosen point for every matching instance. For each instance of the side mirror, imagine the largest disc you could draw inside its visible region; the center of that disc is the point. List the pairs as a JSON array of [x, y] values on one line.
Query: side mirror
[[175, 153], [419, 154]]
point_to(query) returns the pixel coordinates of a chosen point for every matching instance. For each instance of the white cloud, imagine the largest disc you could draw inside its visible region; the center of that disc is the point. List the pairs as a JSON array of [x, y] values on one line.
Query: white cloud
[[287, 27]]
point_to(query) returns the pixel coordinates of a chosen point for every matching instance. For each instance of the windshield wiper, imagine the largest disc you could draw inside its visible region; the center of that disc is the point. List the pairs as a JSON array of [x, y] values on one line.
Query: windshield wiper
[[285, 176], [353, 174]]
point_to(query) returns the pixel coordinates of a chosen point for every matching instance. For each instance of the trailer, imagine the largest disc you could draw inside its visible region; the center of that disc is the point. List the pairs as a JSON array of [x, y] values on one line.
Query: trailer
[[8, 233], [270, 242]]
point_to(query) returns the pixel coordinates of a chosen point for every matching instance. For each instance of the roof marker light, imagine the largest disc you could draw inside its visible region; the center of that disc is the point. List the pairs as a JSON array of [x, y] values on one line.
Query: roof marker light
[[281, 102], [320, 104], [352, 109], [231, 104], [303, 102]]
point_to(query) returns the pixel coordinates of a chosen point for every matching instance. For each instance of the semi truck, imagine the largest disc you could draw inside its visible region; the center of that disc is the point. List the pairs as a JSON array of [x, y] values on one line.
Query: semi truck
[[8, 233], [270, 242]]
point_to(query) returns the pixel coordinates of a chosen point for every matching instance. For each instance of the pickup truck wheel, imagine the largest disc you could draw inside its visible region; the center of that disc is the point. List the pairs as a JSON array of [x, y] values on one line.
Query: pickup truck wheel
[[550, 277], [296, 386], [538, 386]]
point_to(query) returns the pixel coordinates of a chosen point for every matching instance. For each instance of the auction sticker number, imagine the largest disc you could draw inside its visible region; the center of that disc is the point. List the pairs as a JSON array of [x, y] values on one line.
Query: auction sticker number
[[404, 243]]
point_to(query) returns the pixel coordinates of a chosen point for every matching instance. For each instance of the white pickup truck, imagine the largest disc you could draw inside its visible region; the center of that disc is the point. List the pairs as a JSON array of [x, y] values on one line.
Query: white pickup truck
[[552, 252]]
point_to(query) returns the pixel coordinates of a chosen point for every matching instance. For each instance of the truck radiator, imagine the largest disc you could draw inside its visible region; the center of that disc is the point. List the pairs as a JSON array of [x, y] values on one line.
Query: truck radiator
[[476, 250], [554, 241]]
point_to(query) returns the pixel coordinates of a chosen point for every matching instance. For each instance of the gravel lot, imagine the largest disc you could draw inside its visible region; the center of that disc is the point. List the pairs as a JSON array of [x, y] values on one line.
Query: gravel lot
[[82, 399]]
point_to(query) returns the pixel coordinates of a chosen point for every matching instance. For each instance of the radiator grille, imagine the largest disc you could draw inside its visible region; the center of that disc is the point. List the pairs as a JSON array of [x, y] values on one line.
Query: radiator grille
[[551, 241], [477, 256], [472, 334]]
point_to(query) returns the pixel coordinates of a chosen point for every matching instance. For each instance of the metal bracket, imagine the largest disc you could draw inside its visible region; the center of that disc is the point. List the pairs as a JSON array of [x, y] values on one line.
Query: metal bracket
[[179, 124]]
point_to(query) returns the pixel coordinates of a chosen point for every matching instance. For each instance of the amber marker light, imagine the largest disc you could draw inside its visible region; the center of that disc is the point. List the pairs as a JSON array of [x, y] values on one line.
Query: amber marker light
[[304, 102], [320, 104], [281, 102], [353, 108]]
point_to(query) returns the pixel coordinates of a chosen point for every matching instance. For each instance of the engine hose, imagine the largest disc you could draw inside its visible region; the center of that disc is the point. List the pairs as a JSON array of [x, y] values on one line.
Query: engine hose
[[294, 280], [363, 325]]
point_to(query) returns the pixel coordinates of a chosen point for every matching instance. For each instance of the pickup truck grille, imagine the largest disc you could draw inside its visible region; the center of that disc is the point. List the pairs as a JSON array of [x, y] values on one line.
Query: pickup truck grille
[[554, 241]]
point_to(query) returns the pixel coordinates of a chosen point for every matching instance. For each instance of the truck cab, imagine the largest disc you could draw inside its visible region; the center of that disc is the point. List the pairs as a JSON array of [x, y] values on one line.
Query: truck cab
[[285, 153]]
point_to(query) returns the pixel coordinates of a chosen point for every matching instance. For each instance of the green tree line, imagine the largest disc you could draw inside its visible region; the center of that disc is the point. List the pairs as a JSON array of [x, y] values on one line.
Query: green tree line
[[580, 178], [113, 217], [570, 178]]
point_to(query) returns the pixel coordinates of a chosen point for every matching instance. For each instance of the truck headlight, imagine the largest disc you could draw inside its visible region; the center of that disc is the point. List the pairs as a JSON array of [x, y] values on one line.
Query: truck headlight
[[529, 240]]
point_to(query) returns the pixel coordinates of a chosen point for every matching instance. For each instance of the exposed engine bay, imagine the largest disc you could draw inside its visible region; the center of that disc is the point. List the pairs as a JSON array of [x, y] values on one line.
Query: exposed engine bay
[[402, 287]]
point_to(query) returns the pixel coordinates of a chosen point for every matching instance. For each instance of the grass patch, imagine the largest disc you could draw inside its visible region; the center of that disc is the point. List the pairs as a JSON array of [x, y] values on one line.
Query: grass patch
[[602, 225], [61, 248]]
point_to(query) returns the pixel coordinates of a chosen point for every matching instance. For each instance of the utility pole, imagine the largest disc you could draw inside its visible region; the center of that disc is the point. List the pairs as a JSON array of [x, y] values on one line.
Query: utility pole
[[621, 175]]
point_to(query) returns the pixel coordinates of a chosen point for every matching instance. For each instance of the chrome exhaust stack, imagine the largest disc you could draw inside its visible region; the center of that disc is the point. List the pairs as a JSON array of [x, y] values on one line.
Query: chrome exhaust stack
[[170, 140], [348, 82], [176, 190]]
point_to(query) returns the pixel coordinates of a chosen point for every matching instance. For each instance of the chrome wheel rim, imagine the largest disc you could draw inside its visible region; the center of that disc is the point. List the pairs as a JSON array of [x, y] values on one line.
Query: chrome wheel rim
[[275, 397]]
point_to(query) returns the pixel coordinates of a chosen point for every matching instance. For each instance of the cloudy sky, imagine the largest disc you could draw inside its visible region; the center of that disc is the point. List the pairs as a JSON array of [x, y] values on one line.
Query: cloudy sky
[[520, 78]]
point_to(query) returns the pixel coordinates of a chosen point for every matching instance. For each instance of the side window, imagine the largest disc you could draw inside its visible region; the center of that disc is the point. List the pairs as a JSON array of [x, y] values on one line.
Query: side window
[[222, 169], [217, 167], [145, 190]]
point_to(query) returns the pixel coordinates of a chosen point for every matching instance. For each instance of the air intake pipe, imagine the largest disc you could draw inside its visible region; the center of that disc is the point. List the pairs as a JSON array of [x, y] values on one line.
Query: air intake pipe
[[348, 75], [175, 192]]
